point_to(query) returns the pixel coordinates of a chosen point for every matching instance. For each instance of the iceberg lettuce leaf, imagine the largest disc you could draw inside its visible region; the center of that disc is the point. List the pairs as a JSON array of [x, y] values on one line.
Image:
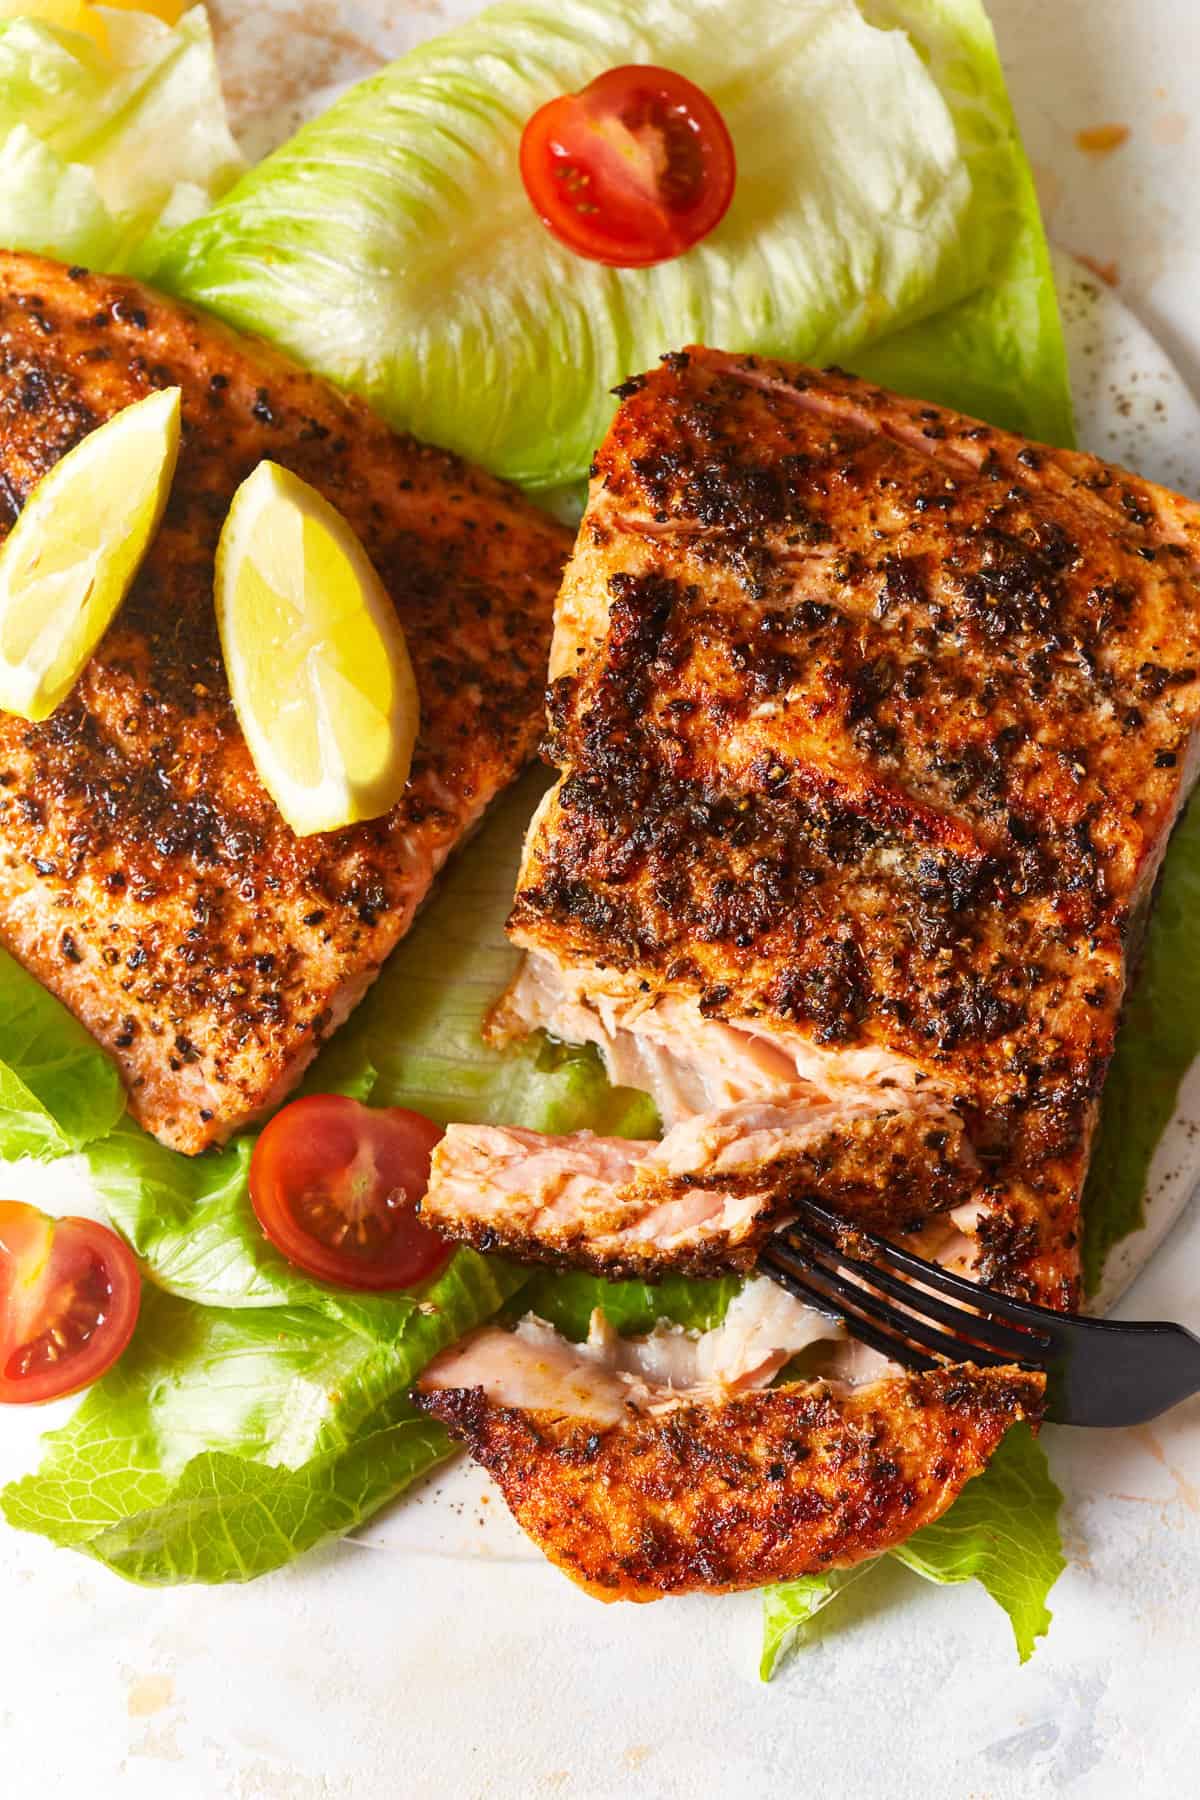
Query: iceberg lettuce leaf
[[390, 244], [104, 149]]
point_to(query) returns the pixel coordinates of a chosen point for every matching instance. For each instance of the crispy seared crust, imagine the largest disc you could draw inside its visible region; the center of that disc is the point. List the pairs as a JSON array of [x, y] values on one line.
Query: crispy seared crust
[[890, 1173], [874, 721], [715, 1254], [145, 876], [703, 1260], [764, 1487]]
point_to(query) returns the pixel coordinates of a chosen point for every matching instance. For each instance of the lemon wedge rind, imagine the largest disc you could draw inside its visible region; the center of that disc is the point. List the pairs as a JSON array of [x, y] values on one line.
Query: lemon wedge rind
[[69, 560]]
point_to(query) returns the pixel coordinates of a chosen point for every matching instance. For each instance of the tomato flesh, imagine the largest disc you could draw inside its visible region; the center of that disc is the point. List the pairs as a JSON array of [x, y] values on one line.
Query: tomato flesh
[[69, 1297], [633, 170], [335, 1185]]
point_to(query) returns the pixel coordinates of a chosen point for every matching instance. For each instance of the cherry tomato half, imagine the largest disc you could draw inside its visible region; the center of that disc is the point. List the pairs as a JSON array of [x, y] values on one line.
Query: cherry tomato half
[[634, 169], [334, 1185], [69, 1296]]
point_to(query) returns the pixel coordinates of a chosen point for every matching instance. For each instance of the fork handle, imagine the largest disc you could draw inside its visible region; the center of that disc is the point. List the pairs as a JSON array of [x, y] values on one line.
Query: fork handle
[[1123, 1373]]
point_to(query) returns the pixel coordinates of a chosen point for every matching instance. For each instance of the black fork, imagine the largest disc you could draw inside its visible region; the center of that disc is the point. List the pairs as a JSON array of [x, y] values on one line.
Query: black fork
[[1098, 1371]]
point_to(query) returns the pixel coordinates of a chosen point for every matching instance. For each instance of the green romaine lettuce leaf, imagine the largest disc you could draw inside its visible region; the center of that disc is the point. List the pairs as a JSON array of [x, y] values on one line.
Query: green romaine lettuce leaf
[[790, 1606], [1002, 1531], [1158, 1041], [101, 151], [58, 1090], [224, 1443], [190, 1223], [632, 1308], [391, 245], [420, 1024]]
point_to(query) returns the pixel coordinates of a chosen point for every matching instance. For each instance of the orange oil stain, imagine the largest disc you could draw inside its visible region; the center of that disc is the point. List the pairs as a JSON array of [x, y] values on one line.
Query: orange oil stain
[[1108, 272], [1101, 140], [1170, 128], [148, 1694], [1187, 1491]]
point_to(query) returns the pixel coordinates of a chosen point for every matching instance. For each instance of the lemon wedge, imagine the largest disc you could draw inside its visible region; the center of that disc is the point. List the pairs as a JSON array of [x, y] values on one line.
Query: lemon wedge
[[67, 563], [317, 662], [68, 15], [168, 11], [79, 16]]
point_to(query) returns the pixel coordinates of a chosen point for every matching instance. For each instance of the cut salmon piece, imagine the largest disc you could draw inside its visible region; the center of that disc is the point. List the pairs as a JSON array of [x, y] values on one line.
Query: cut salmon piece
[[702, 1200], [872, 724], [145, 875], [665, 1465]]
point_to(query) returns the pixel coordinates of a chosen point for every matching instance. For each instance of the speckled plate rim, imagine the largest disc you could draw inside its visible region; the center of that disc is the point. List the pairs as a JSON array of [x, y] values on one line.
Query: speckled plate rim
[[1133, 407]]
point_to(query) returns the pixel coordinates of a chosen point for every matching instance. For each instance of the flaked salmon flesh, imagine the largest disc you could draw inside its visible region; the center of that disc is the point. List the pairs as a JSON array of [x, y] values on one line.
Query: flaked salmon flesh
[[689, 1062], [146, 877], [607, 1376]]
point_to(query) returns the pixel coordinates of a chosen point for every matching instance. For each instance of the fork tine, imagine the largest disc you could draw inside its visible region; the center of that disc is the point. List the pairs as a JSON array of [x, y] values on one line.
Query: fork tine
[[902, 1324], [959, 1287], [980, 1326], [892, 1347]]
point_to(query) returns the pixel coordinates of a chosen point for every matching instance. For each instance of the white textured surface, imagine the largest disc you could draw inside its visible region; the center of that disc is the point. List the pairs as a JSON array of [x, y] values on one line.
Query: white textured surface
[[441, 1656]]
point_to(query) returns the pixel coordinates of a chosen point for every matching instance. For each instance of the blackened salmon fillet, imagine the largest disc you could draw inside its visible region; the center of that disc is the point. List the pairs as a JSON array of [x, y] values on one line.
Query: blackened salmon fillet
[[669, 1464], [872, 724], [146, 877]]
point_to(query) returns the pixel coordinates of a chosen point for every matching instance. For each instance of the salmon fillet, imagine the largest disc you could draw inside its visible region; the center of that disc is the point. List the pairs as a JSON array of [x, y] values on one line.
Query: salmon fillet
[[145, 875], [668, 1465], [872, 724]]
